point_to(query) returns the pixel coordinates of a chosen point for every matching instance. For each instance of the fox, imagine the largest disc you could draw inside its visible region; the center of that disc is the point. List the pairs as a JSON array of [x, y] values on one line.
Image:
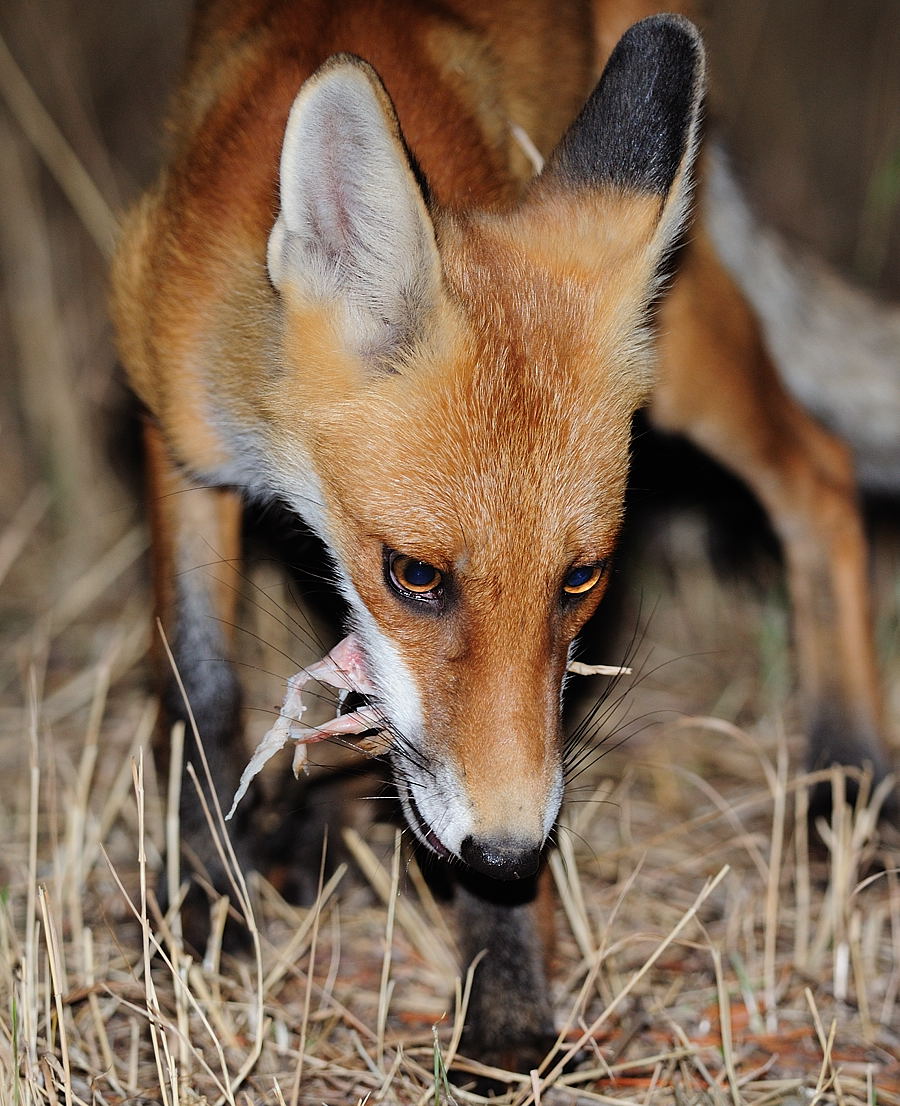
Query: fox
[[409, 270]]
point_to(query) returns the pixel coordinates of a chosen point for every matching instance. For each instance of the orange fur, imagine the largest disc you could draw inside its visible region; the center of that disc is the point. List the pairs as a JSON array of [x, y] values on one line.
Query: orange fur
[[475, 414], [198, 323]]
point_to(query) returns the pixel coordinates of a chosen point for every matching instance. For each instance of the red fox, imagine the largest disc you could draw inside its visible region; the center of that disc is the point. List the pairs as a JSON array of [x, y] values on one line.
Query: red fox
[[349, 292]]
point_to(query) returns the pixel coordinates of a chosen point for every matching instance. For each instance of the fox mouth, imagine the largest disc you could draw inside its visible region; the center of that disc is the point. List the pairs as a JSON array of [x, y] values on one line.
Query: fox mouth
[[420, 827]]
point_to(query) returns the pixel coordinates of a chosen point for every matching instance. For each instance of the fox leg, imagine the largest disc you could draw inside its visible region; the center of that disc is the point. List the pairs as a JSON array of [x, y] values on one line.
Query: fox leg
[[719, 388], [196, 546], [509, 1023]]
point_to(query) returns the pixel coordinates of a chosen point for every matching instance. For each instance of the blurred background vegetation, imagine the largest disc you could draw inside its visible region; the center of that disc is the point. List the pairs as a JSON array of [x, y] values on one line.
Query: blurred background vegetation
[[809, 91]]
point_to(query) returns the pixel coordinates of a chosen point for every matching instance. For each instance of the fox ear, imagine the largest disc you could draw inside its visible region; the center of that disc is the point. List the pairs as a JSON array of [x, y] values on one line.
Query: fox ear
[[353, 228], [637, 133]]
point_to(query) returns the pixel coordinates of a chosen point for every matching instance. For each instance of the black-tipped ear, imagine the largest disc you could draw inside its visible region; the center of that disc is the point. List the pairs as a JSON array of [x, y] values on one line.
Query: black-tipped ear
[[637, 130]]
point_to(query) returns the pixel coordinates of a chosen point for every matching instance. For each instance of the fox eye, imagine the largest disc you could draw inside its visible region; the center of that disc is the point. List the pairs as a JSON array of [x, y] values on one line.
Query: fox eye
[[582, 578], [413, 578]]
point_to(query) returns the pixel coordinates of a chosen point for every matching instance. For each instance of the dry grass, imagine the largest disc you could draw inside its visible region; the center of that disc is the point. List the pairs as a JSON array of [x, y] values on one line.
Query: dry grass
[[712, 947], [708, 951]]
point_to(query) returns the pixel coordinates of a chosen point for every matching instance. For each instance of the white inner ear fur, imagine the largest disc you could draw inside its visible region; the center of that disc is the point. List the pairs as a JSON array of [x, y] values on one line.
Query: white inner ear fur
[[676, 208], [353, 227]]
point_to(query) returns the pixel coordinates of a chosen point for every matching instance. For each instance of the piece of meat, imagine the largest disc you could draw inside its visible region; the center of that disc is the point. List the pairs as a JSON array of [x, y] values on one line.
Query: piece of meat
[[343, 669]]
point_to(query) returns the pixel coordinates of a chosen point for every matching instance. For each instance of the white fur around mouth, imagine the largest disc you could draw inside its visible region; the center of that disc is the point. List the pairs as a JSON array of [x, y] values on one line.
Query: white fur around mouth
[[419, 826]]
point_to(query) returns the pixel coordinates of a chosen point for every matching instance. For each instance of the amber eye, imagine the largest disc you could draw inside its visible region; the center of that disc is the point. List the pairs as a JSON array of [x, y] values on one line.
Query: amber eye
[[582, 578], [412, 577]]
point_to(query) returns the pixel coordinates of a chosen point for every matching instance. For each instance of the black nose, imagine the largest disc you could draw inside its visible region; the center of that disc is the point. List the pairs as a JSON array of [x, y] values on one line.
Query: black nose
[[504, 858]]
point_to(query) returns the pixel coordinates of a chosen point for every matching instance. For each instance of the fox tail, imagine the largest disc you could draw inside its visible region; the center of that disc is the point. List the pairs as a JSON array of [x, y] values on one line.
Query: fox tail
[[836, 346]]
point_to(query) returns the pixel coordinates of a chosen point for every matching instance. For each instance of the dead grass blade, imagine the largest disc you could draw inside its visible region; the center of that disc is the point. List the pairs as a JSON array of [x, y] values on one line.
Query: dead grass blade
[[17, 534], [222, 842], [558, 1068], [56, 153]]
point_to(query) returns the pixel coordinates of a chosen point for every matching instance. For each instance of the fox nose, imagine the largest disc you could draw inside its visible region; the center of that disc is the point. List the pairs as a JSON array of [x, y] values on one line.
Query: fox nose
[[504, 858]]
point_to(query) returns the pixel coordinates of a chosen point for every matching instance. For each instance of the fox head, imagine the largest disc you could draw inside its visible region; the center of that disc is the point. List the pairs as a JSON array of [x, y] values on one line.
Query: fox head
[[452, 414]]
